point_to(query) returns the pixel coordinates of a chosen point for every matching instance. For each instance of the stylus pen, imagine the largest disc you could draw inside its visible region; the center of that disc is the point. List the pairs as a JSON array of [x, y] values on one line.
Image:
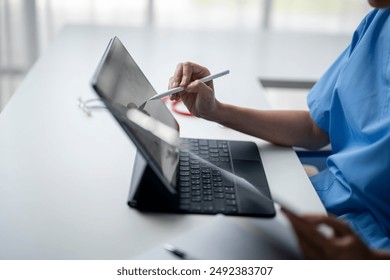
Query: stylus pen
[[179, 89]]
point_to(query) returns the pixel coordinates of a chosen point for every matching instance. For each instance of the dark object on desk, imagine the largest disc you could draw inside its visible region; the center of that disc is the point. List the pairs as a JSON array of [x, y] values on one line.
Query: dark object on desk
[[176, 252], [228, 238], [198, 176], [316, 158]]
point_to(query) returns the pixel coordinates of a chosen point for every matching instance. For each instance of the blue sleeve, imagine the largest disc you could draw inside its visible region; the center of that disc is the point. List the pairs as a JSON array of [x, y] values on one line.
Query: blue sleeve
[[320, 97]]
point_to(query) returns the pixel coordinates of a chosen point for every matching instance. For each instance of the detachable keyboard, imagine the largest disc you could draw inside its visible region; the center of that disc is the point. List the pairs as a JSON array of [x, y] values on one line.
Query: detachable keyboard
[[201, 184]]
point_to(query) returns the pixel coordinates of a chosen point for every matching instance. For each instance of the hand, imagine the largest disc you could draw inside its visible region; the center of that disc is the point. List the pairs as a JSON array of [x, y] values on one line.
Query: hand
[[344, 244], [198, 97]]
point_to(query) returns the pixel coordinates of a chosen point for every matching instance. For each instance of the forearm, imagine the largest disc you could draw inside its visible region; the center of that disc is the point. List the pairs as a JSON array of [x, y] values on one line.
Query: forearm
[[288, 128]]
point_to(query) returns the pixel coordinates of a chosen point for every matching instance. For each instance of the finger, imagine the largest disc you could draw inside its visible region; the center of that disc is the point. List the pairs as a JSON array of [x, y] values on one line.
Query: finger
[[307, 232], [194, 87], [177, 76], [318, 223], [171, 82], [198, 87], [187, 74], [193, 71], [287, 211], [198, 71], [301, 227], [339, 227], [309, 252]]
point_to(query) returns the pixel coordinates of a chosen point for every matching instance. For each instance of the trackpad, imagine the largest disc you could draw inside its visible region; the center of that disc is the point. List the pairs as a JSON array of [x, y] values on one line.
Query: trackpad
[[252, 171], [244, 150], [252, 190]]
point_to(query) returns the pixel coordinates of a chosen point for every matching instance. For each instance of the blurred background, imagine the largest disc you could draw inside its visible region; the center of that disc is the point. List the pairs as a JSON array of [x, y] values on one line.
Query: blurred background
[[28, 26]]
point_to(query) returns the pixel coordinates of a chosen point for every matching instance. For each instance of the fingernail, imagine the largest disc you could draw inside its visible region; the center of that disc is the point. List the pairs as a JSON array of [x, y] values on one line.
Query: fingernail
[[183, 82], [174, 84]]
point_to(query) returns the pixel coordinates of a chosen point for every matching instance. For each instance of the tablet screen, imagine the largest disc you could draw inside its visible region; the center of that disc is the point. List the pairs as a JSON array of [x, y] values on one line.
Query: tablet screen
[[123, 87], [120, 81]]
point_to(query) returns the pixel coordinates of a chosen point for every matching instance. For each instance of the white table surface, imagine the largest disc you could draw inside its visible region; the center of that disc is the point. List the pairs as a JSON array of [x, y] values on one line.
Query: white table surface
[[65, 176]]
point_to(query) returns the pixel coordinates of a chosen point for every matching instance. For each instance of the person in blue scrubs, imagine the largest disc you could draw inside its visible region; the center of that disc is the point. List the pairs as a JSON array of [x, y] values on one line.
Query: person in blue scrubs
[[349, 108]]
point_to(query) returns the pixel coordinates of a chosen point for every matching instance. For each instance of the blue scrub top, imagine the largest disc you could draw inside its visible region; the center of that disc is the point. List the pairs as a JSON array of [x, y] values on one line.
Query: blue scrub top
[[351, 103]]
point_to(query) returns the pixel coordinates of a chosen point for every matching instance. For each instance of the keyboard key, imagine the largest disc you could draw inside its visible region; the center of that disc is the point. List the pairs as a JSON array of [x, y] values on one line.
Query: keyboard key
[[196, 208], [208, 209], [217, 184], [195, 193], [231, 209], [207, 192], [184, 168], [229, 190], [219, 195], [184, 158], [231, 202], [196, 199], [185, 195], [217, 179], [195, 177], [184, 207], [230, 196], [222, 153], [213, 143], [225, 166], [184, 201], [218, 189], [206, 181]]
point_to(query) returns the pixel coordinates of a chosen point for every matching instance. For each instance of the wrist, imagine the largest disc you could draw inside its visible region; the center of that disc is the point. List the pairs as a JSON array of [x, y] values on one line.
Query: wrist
[[216, 114]]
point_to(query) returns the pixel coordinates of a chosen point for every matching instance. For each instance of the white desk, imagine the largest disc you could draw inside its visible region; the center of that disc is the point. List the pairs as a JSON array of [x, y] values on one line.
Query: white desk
[[65, 177]]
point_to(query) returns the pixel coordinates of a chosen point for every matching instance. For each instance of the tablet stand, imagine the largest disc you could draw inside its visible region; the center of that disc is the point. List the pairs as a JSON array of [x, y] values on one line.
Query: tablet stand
[[147, 191]]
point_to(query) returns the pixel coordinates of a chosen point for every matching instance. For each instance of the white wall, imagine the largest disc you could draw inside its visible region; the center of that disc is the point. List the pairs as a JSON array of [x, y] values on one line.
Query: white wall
[[24, 34]]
